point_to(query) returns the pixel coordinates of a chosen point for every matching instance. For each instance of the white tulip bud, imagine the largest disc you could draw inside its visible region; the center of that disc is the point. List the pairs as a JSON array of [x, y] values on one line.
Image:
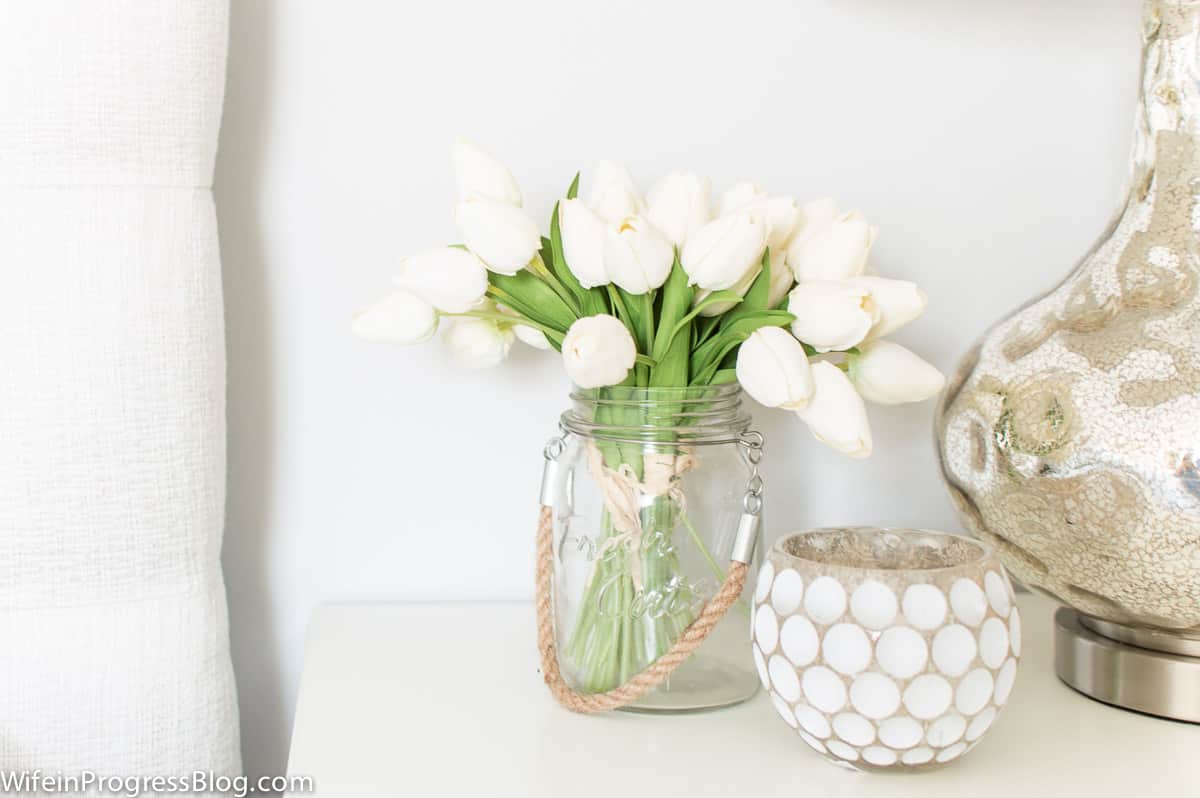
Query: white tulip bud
[[783, 217], [451, 279], [773, 368], [614, 194], [598, 351], [782, 278], [478, 343], [888, 374], [724, 251], [502, 235], [530, 336], [836, 413], [898, 301], [481, 175], [637, 257], [718, 308], [739, 196], [679, 205], [832, 316], [583, 234], [836, 252], [815, 216], [399, 318]]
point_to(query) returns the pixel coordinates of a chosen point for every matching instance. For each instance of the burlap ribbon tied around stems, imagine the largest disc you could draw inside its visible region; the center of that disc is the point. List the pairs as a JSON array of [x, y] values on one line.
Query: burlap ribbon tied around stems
[[623, 493]]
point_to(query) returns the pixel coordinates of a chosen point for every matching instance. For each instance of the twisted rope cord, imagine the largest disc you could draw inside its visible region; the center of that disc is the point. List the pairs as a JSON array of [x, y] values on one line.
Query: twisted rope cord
[[652, 676]]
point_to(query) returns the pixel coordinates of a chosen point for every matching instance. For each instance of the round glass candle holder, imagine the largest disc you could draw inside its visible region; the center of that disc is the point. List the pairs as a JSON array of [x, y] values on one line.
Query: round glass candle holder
[[886, 649]]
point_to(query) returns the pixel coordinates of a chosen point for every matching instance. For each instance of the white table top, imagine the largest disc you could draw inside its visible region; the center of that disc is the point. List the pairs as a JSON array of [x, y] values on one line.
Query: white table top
[[446, 699]]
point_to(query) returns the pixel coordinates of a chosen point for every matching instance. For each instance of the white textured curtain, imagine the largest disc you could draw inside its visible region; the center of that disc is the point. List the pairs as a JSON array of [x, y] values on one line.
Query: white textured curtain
[[114, 652]]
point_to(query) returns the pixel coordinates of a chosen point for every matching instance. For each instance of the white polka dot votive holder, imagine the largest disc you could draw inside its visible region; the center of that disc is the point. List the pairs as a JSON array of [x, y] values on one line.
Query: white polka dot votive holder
[[886, 649]]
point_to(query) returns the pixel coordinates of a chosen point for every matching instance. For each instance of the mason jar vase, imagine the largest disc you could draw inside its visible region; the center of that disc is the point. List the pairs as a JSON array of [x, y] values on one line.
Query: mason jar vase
[[648, 494]]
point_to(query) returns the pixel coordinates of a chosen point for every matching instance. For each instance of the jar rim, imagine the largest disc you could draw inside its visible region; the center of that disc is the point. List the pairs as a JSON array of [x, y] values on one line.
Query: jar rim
[[629, 393], [667, 415]]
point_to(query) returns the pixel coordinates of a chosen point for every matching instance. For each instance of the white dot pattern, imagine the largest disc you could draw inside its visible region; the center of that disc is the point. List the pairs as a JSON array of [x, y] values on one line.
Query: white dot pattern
[[825, 600], [875, 695], [901, 652], [880, 756], [813, 722], [968, 602], [799, 640], [785, 711], [787, 592], [847, 648], [784, 680], [762, 588], [873, 604], [954, 649], [854, 729], [766, 629], [997, 593], [925, 606], [886, 677], [813, 742]]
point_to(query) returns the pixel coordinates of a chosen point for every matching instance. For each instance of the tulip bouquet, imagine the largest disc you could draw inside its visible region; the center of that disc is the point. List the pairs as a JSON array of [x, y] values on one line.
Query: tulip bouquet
[[660, 291]]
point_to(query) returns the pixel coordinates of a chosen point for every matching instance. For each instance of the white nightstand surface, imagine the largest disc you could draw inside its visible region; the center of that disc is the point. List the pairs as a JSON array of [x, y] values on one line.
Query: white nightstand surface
[[446, 699]]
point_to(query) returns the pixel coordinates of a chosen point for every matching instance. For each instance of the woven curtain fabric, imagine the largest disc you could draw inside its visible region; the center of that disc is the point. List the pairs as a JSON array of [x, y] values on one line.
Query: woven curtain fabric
[[114, 644]]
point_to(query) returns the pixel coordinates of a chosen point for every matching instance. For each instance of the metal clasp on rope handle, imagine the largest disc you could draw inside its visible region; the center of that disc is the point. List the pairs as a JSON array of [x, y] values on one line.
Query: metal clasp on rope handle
[[748, 527], [553, 450]]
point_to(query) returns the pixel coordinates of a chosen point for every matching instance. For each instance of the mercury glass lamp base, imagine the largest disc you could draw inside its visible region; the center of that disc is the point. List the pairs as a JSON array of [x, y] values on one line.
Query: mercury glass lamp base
[[1100, 660]]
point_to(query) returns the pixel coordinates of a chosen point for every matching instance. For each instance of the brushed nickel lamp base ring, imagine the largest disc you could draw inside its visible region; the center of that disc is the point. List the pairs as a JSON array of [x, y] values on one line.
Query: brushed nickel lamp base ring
[[1100, 660]]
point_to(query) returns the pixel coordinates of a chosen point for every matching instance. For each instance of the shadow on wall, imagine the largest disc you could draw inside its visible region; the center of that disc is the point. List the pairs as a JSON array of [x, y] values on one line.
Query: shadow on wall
[[238, 188]]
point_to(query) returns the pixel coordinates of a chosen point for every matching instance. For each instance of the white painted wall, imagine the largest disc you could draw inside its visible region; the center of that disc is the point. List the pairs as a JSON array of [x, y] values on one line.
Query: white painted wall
[[986, 139]]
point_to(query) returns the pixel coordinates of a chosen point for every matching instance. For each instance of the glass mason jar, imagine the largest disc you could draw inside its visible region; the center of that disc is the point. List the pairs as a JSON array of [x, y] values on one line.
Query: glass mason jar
[[650, 486]]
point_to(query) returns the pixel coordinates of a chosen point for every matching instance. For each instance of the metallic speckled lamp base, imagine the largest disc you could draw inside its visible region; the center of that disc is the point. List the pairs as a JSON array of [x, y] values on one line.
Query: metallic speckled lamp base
[[1124, 675]]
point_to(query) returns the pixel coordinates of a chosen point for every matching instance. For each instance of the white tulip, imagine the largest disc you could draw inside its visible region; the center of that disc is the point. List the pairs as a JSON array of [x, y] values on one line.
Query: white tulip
[[773, 368], [502, 235], [888, 374], [531, 336], [783, 217], [451, 279], [898, 301], [399, 318], [637, 257], [718, 308], [614, 194], [583, 234], [679, 205], [836, 414], [782, 279], [724, 251], [481, 175], [815, 216], [739, 196], [832, 316], [598, 351], [835, 252], [478, 343]]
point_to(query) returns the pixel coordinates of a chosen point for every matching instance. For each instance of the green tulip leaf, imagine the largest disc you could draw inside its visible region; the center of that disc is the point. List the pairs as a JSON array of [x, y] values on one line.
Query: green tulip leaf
[[706, 360], [531, 297], [673, 340]]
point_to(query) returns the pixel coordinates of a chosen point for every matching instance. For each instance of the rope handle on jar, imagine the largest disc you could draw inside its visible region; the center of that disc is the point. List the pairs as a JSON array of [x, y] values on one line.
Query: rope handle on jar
[[712, 613]]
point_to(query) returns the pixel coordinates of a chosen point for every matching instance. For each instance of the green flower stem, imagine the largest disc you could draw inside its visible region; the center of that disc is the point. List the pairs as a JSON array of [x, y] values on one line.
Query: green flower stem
[[506, 319], [610, 644], [712, 561], [718, 572], [538, 267]]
